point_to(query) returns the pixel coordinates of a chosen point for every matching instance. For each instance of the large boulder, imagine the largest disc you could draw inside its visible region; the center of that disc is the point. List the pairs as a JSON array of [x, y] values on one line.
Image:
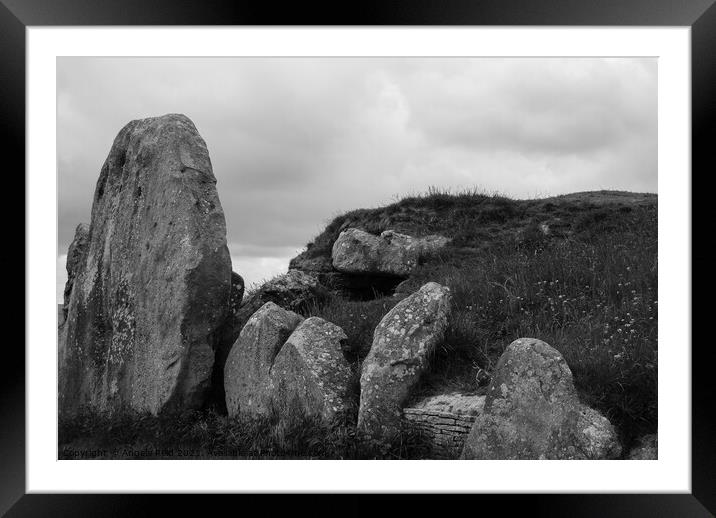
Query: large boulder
[[392, 254], [532, 411], [154, 284], [402, 343], [248, 366], [310, 372]]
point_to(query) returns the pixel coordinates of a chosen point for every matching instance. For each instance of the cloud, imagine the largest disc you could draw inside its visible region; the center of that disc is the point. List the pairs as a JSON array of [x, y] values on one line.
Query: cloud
[[295, 141]]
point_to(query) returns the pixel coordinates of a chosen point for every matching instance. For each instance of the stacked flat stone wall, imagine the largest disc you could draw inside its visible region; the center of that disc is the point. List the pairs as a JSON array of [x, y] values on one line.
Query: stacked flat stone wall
[[443, 421]]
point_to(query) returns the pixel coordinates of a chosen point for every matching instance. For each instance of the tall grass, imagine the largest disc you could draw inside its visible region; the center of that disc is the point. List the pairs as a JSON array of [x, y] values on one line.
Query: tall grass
[[589, 289], [592, 296], [282, 434]]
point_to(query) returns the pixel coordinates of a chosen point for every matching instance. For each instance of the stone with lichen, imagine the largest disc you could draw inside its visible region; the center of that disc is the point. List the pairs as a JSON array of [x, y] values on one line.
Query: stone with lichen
[[391, 253], [532, 411], [295, 291], [153, 285], [246, 376], [402, 344], [310, 372]]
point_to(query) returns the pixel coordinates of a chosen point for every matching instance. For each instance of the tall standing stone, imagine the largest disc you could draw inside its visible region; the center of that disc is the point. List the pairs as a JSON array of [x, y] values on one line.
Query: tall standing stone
[[154, 284], [402, 343]]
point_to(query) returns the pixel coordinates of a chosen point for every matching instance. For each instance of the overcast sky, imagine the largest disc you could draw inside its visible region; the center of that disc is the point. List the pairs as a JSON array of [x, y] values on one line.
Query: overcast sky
[[294, 142]]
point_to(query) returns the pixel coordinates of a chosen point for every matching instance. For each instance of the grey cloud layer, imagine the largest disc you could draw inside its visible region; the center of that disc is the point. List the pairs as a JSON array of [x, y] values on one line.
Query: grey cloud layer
[[294, 142]]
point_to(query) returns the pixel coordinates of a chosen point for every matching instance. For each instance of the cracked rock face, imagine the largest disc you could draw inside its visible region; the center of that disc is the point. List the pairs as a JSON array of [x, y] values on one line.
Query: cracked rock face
[[532, 411], [247, 369], [75, 256], [154, 283], [285, 362], [310, 372], [402, 343], [393, 254]]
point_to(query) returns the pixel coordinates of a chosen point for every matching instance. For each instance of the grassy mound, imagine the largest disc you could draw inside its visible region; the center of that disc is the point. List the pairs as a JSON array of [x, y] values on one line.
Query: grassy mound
[[586, 284]]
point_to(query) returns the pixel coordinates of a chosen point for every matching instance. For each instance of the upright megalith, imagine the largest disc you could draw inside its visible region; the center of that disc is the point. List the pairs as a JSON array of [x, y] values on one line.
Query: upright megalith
[[532, 411], [154, 284], [402, 343]]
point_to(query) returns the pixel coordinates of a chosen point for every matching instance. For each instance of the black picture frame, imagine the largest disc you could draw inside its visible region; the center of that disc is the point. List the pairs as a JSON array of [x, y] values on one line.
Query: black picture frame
[[700, 15]]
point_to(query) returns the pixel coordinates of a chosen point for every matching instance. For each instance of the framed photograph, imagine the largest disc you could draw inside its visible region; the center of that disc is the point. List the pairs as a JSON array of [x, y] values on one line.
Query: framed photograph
[[436, 251]]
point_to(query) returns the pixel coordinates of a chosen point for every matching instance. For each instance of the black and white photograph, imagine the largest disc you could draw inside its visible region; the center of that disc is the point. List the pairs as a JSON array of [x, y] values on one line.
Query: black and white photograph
[[384, 258], [408, 248]]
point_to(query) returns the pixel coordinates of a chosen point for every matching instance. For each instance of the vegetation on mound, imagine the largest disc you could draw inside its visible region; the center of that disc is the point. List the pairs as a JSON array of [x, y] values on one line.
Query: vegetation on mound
[[473, 218], [588, 288]]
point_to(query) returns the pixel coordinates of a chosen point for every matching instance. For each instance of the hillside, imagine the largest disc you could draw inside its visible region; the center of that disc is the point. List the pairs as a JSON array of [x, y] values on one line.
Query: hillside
[[578, 271]]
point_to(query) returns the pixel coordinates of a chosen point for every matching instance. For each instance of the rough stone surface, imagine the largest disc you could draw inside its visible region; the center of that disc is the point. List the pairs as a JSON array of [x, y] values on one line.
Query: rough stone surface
[[294, 291], [247, 369], [154, 284], [402, 343], [75, 256], [443, 421], [647, 448], [358, 252], [319, 264], [237, 293], [228, 333], [532, 411], [310, 371]]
